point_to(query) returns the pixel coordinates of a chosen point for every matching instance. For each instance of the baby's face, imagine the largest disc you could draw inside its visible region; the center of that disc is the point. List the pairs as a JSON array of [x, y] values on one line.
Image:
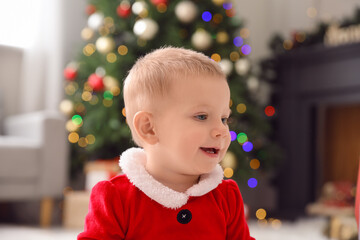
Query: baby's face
[[192, 126]]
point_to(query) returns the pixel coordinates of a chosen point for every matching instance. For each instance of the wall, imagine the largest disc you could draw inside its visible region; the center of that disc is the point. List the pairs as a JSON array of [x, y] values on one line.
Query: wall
[[265, 17]]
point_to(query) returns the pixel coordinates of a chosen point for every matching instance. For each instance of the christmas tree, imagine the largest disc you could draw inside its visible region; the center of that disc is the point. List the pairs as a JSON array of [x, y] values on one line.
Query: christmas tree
[[120, 31]]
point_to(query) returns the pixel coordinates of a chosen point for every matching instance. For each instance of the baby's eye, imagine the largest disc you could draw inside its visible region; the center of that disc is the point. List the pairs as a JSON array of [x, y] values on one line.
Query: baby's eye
[[225, 120], [201, 117]]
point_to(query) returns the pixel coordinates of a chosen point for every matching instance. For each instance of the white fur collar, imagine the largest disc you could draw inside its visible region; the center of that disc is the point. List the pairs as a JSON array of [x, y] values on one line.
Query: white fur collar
[[132, 163]]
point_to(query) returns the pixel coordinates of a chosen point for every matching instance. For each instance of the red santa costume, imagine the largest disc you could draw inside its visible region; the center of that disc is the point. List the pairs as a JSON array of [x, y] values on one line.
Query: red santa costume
[[136, 206]]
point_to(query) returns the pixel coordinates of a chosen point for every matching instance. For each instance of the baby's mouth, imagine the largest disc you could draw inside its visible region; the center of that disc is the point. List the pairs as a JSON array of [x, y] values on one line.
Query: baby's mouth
[[210, 150]]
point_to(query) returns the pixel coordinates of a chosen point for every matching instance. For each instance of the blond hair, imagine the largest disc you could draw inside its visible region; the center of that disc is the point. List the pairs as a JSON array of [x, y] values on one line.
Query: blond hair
[[151, 76]]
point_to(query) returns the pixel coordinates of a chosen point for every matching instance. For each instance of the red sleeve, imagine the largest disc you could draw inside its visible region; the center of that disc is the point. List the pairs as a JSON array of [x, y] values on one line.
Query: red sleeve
[[105, 217], [237, 227]]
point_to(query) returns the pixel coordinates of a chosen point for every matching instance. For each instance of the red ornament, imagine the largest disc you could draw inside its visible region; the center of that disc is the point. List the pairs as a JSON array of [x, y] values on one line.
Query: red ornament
[[70, 73], [123, 10], [269, 111], [96, 82], [90, 9], [158, 2]]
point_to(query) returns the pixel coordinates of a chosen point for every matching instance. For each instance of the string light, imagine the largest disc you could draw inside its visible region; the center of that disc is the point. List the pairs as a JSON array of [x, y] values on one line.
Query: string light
[[107, 103], [108, 95], [122, 50], [94, 100], [111, 57], [228, 172], [89, 49], [234, 56], [260, 214], [245, 33], [123, 112], [73, 137], [206, 16], [218, 18], [288, 44], [238, 41], [254, 163], [233, 135], [115, 90], [86, 96], [269, 111], [246, 49], [90, 139], [242, 137], [241, 108], [77, 119], [252, 182], [227, 5], [247, 146], [216, 57], [83, 142], [161, 7]]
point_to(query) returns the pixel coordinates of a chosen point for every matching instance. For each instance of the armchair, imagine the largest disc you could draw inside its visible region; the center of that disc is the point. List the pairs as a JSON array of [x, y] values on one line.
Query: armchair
[[33, 159]]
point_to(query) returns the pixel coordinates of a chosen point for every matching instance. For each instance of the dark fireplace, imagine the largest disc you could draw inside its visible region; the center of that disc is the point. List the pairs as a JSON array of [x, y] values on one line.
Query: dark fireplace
[[318, 122]]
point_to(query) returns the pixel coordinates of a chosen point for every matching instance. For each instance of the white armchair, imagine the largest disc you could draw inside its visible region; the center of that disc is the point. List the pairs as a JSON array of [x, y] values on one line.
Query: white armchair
[[34, 159]]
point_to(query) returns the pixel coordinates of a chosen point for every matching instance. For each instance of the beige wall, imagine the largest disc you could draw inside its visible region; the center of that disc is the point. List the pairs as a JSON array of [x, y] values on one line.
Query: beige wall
[[264, 17]]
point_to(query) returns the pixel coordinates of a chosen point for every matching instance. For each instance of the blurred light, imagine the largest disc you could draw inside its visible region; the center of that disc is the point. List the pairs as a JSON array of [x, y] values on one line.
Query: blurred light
[[83, 142], [70, 126], [122, 50], [107, 103], [241, 108], [70, 89], [230, 12], [288, 44], [263, 222], [89, 49], [77, 119], [234, 56], [269, 111], [254, 163], [276, 223], [222, 37], [242, 137], [227, 5], [115, 90], [86, 96], [228, 172], [252, 182], [79, 108], [218, 18], [206, 16], [247, 146], [238, 41], [161, 7], [233, 135], [73, 137], [90, 138], [123, 112], [246, 49], [261, 214], [216, 57], [111, 57], [94, 100], [311, 12], [245, 33], [108, 95], [230, 103], [87, 33], [300, 37]]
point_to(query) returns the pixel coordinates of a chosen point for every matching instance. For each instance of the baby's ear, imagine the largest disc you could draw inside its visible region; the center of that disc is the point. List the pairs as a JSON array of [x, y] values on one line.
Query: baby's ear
[[144, 126]]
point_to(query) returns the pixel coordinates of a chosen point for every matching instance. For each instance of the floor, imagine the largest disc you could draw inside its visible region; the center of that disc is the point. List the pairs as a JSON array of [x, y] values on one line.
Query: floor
[[309, 229]]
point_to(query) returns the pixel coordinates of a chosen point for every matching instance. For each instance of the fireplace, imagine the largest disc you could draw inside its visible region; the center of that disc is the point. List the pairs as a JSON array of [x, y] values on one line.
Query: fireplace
[[318, 121]]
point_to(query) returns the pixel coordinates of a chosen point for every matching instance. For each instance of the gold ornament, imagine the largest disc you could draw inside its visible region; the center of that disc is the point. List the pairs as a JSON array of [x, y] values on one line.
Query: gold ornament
[[105, 44], [229, 160]]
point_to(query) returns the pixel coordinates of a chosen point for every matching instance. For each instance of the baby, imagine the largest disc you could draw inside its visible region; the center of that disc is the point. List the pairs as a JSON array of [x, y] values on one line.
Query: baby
[[177, 107]]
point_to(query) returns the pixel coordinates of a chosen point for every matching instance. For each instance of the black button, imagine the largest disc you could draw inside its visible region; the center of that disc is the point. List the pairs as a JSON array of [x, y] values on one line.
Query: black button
[[184, 216]]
